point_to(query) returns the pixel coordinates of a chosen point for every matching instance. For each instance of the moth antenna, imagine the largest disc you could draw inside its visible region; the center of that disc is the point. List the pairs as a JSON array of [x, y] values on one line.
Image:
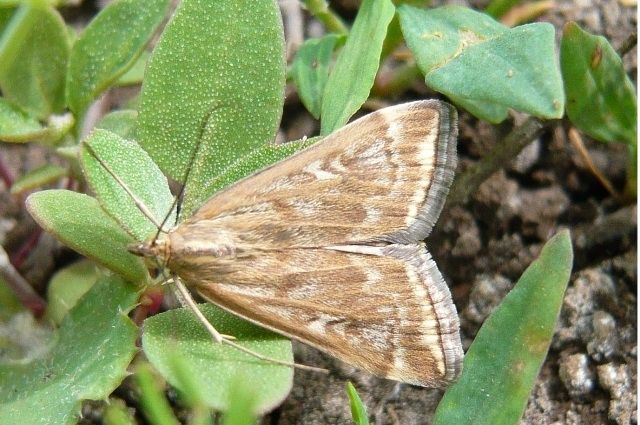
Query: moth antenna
[[183, 295], [192, 157], [178, 211], [139, 204], [174, 204]]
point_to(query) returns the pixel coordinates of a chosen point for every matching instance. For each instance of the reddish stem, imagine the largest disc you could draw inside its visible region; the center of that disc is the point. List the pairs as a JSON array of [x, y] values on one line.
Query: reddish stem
[[5, 174], [150, 303], [18, 258]]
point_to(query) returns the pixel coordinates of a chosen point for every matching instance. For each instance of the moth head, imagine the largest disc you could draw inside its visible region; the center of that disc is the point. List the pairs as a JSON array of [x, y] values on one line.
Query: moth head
[[157, 248], [155, 252]]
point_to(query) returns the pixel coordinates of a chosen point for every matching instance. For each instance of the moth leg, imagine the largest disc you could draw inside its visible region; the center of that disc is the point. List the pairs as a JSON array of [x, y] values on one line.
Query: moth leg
[[185, 297]]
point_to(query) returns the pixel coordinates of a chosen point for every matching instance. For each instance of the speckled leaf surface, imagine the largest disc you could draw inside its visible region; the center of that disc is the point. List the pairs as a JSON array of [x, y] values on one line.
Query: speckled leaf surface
[[85, 362], [34, 49], [256, 160], [133, 166], [78, 221], [109, 46], [211, 368], [214, 89]]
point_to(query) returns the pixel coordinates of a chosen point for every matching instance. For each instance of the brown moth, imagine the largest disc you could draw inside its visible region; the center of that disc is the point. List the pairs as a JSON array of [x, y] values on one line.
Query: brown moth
[[326, 246]]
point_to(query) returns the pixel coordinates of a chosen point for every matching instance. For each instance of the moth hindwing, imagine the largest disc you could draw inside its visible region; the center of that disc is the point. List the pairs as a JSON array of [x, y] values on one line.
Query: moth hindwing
[[326, 246]]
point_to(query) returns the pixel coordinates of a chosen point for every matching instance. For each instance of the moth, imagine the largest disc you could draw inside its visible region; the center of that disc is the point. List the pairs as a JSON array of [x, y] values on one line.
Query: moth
[[327, 246]]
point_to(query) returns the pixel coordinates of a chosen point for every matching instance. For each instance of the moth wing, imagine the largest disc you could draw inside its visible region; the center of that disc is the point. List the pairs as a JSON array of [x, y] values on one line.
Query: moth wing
[[383, 177], [404, 325]]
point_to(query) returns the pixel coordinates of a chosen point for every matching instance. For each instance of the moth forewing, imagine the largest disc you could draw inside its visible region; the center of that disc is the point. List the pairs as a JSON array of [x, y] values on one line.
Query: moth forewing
[[325, 247]]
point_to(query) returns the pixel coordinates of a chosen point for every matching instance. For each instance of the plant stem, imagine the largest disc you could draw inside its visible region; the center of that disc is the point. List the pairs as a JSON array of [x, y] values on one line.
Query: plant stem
[[5, 174], [20, 287], [506, 149], [18, 258], [320, 9], [628, 44]]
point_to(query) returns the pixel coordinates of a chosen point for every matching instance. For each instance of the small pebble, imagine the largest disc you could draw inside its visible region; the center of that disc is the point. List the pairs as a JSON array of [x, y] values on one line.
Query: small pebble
[[616, 380], [487, 292], [604, 342], [576, 375]]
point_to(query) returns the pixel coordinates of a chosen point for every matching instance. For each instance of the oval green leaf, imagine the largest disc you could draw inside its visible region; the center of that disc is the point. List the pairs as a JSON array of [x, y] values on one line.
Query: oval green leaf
[[501, 365], [214, 89], [108, 47], [34, 49], [310, 70], [180, 348], [67, 286], [153, 402], [358, 410], [355, 70], [601, 99], [78, 221], [256, 160], [484, 66], [135, 74], [135, 169], [242, 397], [16, 126], [38, 177], [95, 345], [122, 122]]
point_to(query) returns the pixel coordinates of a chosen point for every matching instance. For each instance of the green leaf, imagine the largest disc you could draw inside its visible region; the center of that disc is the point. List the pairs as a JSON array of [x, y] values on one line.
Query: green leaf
[[256, 160], [213, 90], [16, 126], [9, 303], [501, 365], [135, 74], [355, 70], [122, 122], [242, 400], [6, 12], [67, 286], [133, 166], [310, 70], [190, 354], [118, 413], [358, 411], [95, 344], [498, 8], [38, 177], [484, 66], [320, 10], [79, 222], [34, 50], [153, 403], [108, 47], [601, 99]]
